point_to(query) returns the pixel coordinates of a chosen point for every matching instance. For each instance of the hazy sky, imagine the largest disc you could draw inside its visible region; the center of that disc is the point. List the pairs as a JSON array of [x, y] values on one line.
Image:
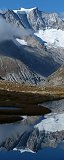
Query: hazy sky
[[44, 5]]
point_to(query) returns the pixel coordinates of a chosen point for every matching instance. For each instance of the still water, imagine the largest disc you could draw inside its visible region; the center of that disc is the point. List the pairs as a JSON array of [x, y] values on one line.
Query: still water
[[44, 154], [52, 123]]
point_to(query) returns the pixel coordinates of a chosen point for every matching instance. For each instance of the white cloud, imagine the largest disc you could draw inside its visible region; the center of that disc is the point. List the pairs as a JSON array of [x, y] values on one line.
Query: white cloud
[[8, 30]]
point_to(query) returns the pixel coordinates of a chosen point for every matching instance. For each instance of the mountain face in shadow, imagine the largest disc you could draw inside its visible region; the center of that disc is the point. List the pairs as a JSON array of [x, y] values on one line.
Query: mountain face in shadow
[[22, 51]]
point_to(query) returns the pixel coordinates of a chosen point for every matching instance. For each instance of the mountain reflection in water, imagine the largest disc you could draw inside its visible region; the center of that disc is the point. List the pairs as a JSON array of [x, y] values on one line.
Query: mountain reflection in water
[[41, 134], [44, 154]]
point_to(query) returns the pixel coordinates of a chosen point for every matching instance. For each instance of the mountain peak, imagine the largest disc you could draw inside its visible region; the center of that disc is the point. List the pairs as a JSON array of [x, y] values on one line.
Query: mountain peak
[[25, 10]]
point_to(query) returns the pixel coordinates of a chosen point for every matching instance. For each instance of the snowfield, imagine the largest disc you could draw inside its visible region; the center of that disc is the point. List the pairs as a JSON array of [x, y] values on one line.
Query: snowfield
[[21, 41], [54, 37], [52, 123], [24, 10]]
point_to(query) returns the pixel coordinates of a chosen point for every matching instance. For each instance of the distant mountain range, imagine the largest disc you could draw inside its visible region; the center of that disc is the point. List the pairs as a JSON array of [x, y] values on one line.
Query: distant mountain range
[[31, 45]]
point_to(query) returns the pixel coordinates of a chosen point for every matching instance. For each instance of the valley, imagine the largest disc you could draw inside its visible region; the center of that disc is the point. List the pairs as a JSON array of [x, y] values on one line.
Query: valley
[[31, 83]]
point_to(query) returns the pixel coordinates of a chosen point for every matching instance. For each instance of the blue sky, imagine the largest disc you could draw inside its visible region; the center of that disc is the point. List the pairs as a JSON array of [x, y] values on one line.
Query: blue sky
[[44, 5]]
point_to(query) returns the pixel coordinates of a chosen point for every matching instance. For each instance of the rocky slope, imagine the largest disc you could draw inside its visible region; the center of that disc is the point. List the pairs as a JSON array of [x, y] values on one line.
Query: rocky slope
[[33, 133], [40, 20], [35, 61], [21, 43], [16, 71], [57, 78]]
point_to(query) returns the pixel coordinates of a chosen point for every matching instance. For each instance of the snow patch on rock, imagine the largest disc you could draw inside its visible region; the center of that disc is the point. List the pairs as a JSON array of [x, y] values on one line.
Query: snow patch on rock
[[21, 41], [23, 150], [51, 123]]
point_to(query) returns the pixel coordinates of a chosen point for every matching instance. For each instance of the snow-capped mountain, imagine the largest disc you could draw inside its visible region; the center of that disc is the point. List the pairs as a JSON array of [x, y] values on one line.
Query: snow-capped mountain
[[35, 39], [48, 27], [32, 133], [40, 20]]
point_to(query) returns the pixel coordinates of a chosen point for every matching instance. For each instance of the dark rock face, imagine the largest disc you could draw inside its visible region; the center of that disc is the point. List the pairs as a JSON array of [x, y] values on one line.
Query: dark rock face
[[33, 140], [18, 135], [38, 140]]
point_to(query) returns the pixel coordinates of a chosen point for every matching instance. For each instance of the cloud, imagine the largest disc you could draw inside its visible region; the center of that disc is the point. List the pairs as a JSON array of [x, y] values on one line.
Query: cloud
[[9, 31]]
